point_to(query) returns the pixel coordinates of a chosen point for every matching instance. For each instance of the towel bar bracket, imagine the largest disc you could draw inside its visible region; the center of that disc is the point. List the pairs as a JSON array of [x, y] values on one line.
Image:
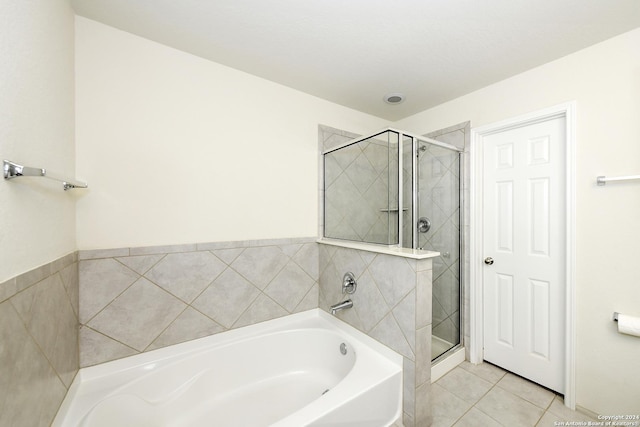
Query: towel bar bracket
[[13, 170]]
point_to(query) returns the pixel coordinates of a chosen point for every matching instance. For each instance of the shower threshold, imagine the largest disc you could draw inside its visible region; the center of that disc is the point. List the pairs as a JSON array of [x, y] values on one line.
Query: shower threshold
[[439, 347], [446, 363]]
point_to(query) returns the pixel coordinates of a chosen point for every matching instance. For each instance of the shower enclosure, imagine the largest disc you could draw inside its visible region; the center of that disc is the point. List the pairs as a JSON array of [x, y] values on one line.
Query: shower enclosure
[[394, 188]]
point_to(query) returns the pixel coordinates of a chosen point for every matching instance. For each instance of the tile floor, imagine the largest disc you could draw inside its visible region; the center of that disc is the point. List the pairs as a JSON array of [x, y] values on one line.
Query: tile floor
[[487, 396]]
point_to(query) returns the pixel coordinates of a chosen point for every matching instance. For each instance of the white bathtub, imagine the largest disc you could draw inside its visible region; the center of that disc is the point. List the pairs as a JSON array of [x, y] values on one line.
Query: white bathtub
[[275, 373]]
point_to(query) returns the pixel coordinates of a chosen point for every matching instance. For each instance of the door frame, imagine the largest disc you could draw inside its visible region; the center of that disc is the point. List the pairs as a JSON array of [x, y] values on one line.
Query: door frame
[[568, 111]]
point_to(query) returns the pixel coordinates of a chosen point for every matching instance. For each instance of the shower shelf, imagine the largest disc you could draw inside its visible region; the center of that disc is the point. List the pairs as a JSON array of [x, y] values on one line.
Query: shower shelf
[[13, 170], [393, 210]]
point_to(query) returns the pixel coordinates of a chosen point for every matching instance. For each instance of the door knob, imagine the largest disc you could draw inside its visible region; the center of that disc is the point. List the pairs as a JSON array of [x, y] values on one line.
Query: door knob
[[488, 260]]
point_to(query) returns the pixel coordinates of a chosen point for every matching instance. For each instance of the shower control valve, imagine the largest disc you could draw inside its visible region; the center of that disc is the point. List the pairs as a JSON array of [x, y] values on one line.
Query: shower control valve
[[349, 284]]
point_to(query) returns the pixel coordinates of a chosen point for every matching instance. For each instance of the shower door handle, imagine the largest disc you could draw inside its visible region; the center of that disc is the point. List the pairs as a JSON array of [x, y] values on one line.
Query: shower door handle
[[488, 260]]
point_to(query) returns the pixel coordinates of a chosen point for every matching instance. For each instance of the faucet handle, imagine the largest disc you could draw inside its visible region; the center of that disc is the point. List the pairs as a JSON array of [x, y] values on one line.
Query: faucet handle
[[349, 284]]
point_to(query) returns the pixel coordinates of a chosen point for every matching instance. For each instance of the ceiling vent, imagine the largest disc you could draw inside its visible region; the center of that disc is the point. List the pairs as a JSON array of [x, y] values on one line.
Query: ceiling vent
[[394, 98]]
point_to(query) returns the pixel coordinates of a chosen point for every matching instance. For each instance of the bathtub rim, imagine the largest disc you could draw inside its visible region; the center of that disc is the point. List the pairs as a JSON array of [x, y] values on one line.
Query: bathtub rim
[[129, 368]]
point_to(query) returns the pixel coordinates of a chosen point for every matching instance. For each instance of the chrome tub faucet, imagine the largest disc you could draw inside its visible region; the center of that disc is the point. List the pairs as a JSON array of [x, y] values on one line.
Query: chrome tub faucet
[[341, 306]]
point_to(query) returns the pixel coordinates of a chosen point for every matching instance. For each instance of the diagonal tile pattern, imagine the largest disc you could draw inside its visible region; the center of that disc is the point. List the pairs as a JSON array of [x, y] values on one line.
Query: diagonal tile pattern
[[227, 298], [54, 334], [38, 342], [138, 315], [281, 291], [186, 275], [191, 323], [96, 348], [359, 175], [140, 263], [31, 389], [102, 280], [140, 299], [260, 265]]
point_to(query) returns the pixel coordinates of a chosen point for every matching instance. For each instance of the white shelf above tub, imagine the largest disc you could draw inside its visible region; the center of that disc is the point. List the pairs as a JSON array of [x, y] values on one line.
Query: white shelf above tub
[[381, 249]]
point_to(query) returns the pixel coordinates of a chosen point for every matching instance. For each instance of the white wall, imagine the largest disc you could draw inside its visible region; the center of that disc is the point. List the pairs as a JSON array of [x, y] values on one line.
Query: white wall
[[178, 149], [605, 81], [37, 218]]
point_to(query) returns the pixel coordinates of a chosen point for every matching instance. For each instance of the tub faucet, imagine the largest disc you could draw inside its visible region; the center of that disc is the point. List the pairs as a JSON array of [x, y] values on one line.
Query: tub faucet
[[341, 306]]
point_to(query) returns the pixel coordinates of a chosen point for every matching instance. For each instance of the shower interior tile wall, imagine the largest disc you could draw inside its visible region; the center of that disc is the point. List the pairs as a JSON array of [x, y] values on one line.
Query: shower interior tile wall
[[139, 299], [328, 138], [38, 342], [359, 176]]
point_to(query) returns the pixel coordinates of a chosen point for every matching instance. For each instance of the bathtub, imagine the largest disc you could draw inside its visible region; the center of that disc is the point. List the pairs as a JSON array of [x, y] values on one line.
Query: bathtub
[[306, 369]]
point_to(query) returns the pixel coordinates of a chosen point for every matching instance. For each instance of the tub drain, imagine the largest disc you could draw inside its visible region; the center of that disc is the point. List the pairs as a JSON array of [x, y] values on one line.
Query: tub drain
[[343, 348]]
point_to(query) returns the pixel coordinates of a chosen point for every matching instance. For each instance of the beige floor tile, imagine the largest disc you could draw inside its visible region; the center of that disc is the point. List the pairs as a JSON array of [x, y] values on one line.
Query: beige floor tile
[[447, 407], [549, 420], [476, 418], [509, 409], [486, 371], [527, 390], [465, 385], [565, 414]]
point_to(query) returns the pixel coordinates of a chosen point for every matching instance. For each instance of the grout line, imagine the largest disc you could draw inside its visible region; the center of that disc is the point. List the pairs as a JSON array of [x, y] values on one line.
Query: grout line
[[295, 309], [112, 339], [112, 300], [163, 331], [248, 307], [493, 385], [224, 328], [130, 256], [73, 308], [315, 280], [229, 249]]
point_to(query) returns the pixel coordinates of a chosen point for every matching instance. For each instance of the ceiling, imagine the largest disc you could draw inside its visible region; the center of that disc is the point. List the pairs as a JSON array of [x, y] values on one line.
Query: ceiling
[[353, 52]]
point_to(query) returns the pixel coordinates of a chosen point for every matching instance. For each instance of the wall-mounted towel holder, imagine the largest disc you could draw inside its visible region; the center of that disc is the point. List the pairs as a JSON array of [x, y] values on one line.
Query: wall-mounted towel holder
[[602, 180], [13, 170]]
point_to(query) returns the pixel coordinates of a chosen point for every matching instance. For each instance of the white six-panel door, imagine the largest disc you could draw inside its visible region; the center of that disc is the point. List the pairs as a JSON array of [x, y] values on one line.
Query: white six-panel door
[[524, 234]]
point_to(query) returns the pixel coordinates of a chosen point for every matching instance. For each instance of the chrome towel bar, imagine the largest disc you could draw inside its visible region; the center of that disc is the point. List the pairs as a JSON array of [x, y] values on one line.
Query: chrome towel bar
[[602, 180], [13, 170]]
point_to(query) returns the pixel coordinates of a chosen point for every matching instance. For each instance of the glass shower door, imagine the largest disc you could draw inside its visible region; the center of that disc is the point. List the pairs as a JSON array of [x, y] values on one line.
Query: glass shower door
[[438, 225]]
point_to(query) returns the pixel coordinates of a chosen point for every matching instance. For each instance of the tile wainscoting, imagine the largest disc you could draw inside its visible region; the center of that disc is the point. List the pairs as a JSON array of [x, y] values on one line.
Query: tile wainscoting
[[38, 342], [134, 300], [96, 306]]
